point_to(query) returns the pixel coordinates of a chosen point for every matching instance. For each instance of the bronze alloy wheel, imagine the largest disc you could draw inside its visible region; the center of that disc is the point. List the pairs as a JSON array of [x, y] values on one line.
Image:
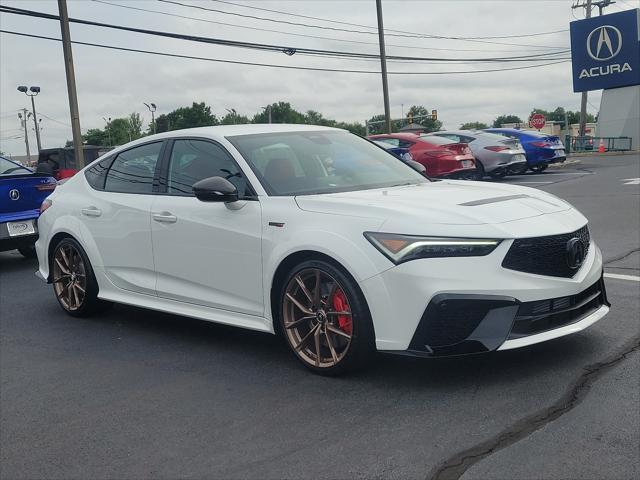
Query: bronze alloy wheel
[[317, 318], [69, 277]]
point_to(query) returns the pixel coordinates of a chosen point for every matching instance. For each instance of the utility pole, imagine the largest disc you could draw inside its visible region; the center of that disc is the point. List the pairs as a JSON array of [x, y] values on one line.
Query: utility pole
[[268, 110], [35, 123], [588, 5], [71, 83], [23, 121], [383, 64]]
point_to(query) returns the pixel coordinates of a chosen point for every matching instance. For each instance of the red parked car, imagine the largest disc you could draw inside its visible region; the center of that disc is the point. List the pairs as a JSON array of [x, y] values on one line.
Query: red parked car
[[443, 158]]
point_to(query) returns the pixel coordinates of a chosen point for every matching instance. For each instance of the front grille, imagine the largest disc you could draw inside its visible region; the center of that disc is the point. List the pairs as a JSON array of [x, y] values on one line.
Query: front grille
[[542, 315], [545, 255]]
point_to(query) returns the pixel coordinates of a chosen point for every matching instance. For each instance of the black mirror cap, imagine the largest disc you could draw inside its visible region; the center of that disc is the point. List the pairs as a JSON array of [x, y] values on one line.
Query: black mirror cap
[[215, 189], [417, 166]]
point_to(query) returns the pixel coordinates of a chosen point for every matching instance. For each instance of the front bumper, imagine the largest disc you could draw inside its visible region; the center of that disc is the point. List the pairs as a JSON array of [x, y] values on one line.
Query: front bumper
[[399, 297], [463, 324]]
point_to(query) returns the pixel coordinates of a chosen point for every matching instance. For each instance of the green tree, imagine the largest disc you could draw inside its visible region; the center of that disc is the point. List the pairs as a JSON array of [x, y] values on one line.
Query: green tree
[[427, 122], [135, 125], [473, 126], [94, 136], [281, 112], [497, 123], [197, 115], [558, 115], [234, 118]]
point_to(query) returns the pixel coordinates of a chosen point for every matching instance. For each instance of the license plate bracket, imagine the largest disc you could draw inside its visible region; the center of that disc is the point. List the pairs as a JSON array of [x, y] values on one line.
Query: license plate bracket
[[21, 228]]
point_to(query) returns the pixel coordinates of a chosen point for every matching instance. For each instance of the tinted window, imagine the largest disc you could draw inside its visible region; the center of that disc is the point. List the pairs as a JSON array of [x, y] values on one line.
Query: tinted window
[[435, 140], [309, 162], [8, 167], [97, 173], [391, 141], [132, 171], [195, 160]]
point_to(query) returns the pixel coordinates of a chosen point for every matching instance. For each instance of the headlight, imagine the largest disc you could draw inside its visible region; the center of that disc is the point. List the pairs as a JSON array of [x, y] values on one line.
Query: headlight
[[402, 248]]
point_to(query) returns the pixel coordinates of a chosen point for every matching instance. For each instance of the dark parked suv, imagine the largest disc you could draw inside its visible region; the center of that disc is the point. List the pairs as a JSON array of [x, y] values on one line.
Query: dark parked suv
[[63, 162]]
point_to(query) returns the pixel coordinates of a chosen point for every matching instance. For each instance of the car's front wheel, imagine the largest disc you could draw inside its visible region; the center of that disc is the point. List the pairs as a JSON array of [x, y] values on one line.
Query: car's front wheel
[[74, 283], [325, 319]]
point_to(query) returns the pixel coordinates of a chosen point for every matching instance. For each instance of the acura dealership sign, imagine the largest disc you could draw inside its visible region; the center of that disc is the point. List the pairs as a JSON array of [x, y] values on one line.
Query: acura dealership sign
[[605, 51]]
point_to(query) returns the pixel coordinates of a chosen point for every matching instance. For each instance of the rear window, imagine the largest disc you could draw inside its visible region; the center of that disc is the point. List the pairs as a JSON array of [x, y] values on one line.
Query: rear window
[[8, 167], [435, 140]]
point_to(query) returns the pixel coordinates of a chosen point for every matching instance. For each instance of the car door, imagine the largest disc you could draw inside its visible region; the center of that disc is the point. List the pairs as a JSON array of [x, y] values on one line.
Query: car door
[[117, 216], [206, 253]]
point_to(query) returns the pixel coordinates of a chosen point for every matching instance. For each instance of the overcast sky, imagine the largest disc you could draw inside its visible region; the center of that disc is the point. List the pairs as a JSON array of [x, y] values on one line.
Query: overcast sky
[[114, 83]]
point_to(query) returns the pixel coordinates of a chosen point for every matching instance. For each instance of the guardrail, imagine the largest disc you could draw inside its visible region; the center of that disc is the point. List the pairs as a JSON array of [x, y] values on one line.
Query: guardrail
[[592, 144]]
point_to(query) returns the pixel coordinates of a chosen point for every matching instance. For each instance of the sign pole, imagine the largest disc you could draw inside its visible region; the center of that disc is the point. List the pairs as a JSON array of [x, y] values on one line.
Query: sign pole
[[583, 101]]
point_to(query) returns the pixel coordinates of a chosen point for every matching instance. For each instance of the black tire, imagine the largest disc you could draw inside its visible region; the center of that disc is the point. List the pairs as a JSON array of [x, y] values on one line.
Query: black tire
[[81, 268], [480, 173], [499, 173], [28, 251], [539, 168], [361, 345]]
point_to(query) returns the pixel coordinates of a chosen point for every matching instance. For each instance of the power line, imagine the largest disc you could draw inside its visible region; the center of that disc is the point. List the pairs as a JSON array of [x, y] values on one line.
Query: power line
[[280, 48], [282, 32], [386, 29], [403, 35], [289, 67]]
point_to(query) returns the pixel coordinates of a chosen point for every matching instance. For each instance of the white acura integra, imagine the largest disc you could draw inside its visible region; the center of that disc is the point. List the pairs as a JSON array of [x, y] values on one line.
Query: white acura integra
[[322, 237]]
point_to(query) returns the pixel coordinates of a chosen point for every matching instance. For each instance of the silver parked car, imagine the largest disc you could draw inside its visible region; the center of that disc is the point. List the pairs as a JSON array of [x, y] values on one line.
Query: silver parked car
[[496, 155]]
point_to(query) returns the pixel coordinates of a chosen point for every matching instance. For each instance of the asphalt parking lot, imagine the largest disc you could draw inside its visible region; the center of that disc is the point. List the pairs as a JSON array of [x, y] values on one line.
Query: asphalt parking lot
[[137, 394]]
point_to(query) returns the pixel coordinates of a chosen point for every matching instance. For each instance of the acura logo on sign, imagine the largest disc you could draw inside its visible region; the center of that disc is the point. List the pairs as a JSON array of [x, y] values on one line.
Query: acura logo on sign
[[575, 253], [14, 194], [604, 43]]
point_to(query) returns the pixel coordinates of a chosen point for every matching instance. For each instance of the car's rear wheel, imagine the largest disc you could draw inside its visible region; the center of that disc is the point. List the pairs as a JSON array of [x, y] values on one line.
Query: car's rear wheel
[[539, 168], [479, 170], [498, 173], [74, 283], [325, 319]]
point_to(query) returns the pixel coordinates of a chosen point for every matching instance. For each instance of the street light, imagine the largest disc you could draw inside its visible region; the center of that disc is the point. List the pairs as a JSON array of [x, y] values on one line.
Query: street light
[[34, 92], [152, 108], [108, 122], [233, 113]]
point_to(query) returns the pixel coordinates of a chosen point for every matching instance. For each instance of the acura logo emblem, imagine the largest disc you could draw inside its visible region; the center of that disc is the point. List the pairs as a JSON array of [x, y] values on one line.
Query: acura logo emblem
[[14, 194], [575, 253], [604, 43]]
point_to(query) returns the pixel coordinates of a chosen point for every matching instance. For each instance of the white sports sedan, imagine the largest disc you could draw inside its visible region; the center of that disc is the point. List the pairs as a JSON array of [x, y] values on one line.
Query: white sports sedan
[[322, 237]]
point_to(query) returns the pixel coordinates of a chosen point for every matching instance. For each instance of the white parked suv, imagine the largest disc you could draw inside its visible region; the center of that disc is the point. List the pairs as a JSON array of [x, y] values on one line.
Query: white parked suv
[[322, 237]]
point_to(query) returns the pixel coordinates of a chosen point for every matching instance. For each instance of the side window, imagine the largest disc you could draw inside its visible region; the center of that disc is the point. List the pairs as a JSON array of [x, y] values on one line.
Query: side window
[[451, 136], [97, 173], [405, 144], [465, 139], [194, 160], [132, 170], [391, 141]]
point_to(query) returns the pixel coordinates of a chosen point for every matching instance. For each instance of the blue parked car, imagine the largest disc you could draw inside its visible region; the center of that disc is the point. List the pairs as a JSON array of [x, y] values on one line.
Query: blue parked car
[[541, 149], [21, 193]]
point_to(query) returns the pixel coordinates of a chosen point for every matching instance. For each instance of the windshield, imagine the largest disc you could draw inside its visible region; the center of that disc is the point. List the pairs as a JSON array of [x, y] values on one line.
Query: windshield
[[7, 167], [305, 163]]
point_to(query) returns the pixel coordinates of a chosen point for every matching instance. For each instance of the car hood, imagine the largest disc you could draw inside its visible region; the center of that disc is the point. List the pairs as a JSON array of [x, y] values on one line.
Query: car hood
[[442, 202]]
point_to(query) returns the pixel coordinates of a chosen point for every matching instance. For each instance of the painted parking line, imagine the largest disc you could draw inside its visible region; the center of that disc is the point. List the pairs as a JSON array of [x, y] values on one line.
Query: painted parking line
[[630, 278]]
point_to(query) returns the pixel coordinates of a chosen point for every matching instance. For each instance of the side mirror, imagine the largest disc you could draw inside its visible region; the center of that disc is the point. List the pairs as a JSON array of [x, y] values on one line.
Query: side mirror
[[215, 189], [417, 166]]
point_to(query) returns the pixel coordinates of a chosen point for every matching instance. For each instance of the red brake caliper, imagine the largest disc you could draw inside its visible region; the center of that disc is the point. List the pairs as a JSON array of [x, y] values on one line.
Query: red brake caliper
[[341, 305]]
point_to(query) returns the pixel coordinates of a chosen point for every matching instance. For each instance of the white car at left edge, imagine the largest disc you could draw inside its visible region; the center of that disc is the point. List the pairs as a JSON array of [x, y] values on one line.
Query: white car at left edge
[[322, 237]]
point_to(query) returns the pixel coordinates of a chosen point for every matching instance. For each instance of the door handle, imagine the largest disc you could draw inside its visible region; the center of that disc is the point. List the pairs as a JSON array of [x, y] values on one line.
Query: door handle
[[91, 211], [164, 217]]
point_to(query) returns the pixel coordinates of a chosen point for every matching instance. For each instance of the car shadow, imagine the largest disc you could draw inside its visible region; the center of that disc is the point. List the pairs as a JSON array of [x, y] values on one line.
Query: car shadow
[[248, 350]]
